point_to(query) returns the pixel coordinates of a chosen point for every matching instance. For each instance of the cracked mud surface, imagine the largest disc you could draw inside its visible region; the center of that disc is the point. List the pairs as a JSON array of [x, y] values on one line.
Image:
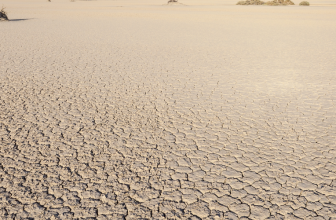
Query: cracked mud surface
[[130, 113]]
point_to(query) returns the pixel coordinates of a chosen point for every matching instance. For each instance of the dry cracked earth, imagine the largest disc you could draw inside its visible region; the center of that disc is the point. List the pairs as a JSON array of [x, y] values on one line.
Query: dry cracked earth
[[142, 118]]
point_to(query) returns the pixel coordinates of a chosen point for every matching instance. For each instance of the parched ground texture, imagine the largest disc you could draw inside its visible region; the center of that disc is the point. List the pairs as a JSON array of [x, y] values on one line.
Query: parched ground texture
[[154, 112]]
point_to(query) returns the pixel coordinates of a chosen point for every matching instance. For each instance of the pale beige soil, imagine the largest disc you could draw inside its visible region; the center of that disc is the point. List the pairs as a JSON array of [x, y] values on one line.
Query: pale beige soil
[[132, 109]]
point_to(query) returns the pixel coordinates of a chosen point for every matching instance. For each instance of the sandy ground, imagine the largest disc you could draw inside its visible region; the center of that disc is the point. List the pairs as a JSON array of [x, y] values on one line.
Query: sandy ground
[[132, 109]]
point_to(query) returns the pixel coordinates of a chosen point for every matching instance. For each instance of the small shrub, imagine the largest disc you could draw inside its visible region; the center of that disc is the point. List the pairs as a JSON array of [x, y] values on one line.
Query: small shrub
[[304, 3], [174, 2], [3, 14]]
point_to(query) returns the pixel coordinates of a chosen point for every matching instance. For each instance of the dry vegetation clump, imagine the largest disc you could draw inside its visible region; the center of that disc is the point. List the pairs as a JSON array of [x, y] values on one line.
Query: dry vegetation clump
[[172, 1], [271, 3], [3, 14], [304, 3]]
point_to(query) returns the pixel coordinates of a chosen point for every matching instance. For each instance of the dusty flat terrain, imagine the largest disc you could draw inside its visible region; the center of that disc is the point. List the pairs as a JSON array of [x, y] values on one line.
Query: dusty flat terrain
[[132, 109]]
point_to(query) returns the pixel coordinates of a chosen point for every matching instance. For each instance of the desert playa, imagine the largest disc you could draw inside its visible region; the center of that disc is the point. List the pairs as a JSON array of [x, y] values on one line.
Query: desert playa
[[132, 109]]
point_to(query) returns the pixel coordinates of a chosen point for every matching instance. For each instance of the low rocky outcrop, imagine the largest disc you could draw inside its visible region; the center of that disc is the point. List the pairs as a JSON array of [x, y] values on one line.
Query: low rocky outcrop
[[251, 2], [279, 2], [271, 3]]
